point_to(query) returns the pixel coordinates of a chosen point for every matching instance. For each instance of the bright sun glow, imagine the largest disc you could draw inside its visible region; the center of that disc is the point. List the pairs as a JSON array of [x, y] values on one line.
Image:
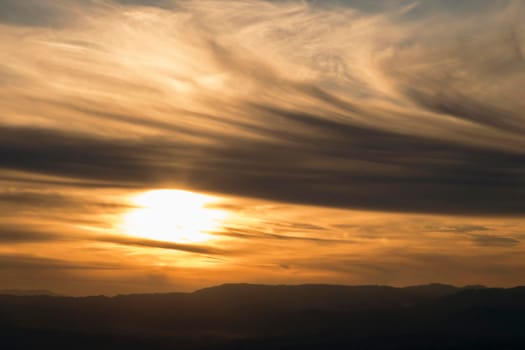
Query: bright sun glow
[[173, 215]]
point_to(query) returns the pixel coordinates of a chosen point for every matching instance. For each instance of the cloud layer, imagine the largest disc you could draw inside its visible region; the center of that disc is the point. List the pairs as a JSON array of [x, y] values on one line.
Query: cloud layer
[[283, 109], [331, 105]]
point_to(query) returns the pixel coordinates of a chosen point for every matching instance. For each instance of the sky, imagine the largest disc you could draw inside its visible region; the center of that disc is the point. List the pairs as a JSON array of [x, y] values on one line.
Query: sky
[[164, 145]]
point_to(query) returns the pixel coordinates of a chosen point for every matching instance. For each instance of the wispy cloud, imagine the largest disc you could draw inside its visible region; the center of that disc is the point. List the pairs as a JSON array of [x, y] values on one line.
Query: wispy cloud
[[285, 108], [21, 261], [494, 241], [282, 100]]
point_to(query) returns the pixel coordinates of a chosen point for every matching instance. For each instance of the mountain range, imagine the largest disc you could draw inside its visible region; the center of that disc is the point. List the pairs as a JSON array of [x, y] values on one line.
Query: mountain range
[[246, 316]]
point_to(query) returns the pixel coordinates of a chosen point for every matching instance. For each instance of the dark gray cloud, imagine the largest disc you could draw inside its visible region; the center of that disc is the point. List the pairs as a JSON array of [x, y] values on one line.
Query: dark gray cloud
[[494, 241], [472, 233], [465, 228], [149, 243], [10, 234], [414, 8], [47, 13], [27, 197], [37, 12], [336, 165], [59, 13], [31, 199], [154, 3], [251, 234]]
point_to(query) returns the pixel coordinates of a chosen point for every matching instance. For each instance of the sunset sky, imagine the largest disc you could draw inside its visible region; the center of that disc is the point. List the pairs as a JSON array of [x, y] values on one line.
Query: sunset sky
[[165, 145]]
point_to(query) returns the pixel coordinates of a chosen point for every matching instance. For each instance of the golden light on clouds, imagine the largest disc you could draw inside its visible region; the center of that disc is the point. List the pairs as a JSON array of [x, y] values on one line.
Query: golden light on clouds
[[173, 216], [349, 142]]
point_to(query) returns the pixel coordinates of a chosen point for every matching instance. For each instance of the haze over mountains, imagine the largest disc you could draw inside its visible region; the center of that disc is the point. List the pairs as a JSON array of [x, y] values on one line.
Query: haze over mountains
[[27, 292], [244, 316]]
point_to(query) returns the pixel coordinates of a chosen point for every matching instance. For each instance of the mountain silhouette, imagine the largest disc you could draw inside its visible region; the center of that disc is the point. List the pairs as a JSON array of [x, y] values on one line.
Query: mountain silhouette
[[245, 316]]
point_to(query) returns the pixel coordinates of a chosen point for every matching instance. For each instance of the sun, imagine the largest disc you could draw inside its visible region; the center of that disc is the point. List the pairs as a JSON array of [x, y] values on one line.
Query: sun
[[173, 215]]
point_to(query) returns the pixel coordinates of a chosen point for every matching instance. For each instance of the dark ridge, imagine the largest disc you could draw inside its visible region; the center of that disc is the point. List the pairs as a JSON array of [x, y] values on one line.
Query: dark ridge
[[247, 316]]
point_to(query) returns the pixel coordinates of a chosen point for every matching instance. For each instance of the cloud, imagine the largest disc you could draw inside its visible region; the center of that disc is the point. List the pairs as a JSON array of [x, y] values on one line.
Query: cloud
[[149, 243], [251, 234], [494, 241], [57, 228], [31, 262], [40, 13], [61, 13], [277, 100], [155, 3], [360, 171], [464, 228], [471, 232], [14, 234], [40, 198]]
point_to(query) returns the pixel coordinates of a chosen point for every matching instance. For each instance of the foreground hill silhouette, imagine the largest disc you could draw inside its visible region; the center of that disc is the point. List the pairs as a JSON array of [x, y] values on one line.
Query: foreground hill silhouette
[[246, 316]]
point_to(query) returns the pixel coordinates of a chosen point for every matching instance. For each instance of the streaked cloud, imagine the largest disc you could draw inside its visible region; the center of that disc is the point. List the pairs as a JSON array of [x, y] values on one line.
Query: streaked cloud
[[285, 100], [20, 261], [486, 240], [353, 141]]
